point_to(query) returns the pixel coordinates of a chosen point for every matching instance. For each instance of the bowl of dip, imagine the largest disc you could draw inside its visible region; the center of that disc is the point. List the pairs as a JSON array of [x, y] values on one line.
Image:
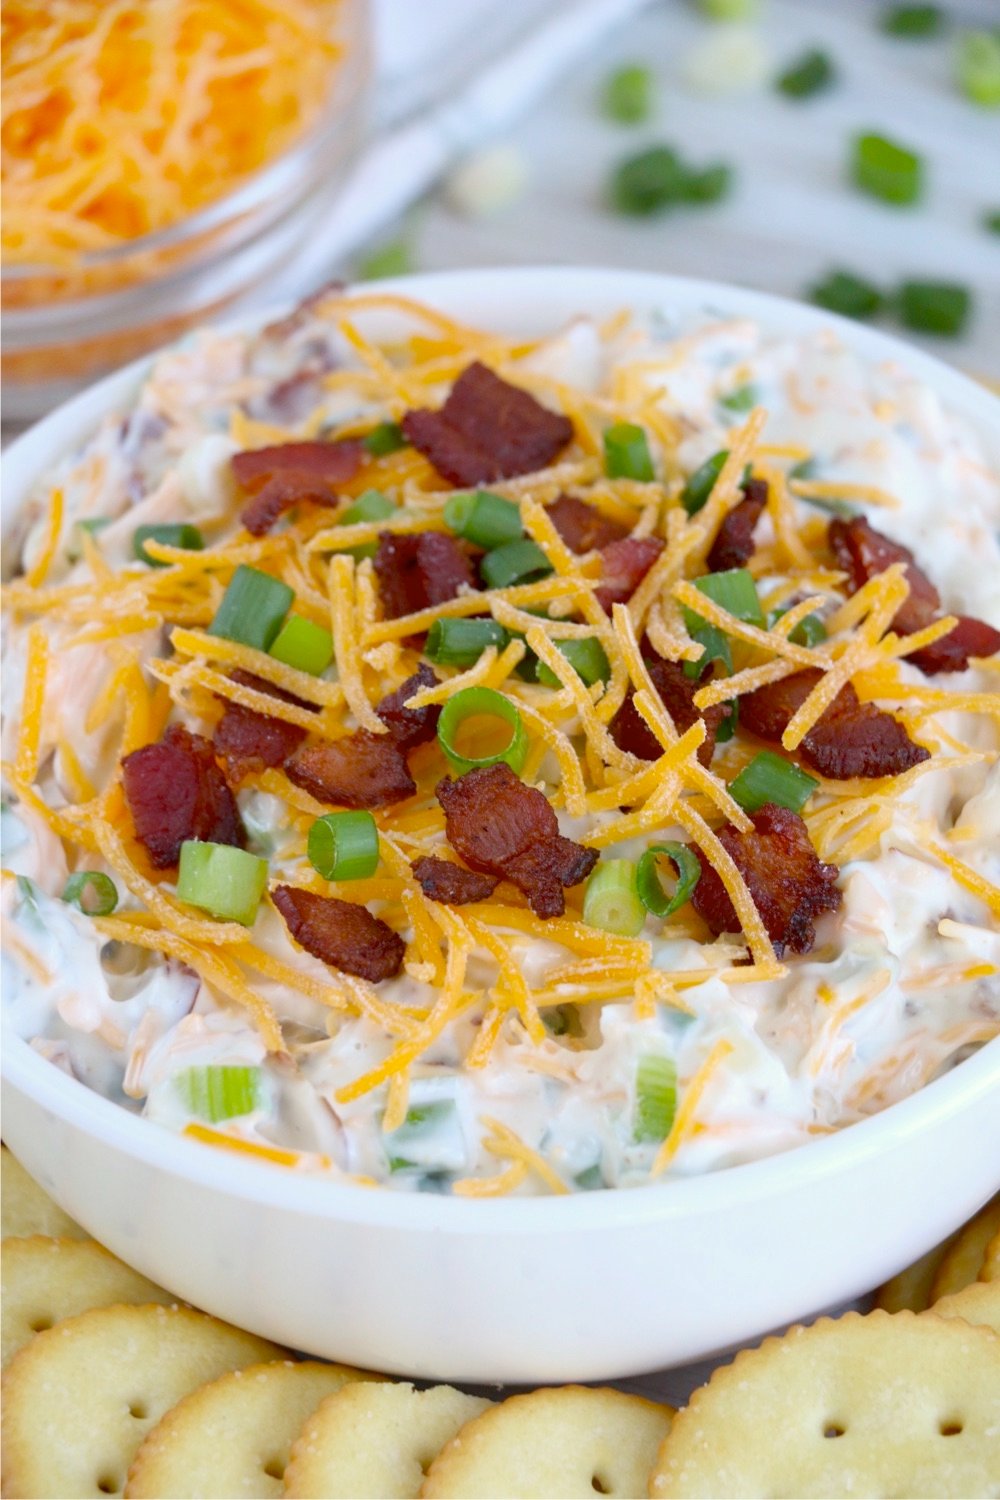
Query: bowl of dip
[[568, 1237]]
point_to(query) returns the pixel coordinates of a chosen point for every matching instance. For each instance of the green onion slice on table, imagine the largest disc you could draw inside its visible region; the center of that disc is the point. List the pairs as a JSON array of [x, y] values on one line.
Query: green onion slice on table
[[886, 170]]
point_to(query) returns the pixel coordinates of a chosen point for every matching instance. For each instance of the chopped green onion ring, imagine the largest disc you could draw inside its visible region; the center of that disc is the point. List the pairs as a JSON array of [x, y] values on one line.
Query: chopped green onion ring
[[484, 519], [92, 892], [628, 95], [253, 608], [180, 534], [586, 656], [611, 900], [344, 845], [303, 645], [771, 778], [701, 483], [225, 881], [387, 437], [515, 562], [473, 702], [734, 590], [655, 1097], [651, 892], [626, 453], [460, 643]]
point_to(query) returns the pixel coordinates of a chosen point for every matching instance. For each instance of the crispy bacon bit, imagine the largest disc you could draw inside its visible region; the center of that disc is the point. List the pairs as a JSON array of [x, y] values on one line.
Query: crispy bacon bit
[[282, 476], [251, 741], [951, 653], [361, 770], [790, 887], [418, 569], [503, 827], [631, 732], [442, 880], [341, 933], [849, 739], [175, 791], [487, 429], [734, 544], [625, 565], [409, 727], [582, 526], [280, 494]]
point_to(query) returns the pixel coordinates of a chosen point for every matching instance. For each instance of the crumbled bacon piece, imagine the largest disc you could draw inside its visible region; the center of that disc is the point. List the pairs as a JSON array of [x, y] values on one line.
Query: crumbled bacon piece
[[409, 727], [503, 827], [360, 770], [341, 933], [487, 429], [442, 880], [631, 732], [252, 741], [288, 473], [951, 653], [625, 565], [582, 526], [790, 887], [850, 738], [418, 569], [734, 544], [176, 791], [280, 494]]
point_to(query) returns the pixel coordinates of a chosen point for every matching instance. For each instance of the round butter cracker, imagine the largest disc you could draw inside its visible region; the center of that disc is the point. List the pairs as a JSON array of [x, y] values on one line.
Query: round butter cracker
[[233, 1436], [991, 1262], [979, 1302], [910, 1289], [567, 1442], [966, 1255], [80, 1398], [46, 1280], [25, 1208], [376, 1440], [888, 1404]]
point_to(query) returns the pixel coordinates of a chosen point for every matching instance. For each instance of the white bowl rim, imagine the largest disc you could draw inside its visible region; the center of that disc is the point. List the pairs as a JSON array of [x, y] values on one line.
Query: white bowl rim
[[312, 1195]]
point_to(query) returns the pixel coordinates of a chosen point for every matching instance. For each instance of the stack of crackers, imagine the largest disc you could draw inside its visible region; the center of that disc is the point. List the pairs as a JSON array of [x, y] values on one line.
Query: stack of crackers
[[111, 1388]]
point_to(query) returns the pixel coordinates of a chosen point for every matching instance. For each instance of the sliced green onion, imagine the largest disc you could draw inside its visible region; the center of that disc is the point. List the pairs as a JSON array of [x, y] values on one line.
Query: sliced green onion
[[851, 296], [771, 778], [222, 880], [940, 307], [810, 631], [477, 702], [180, 535], [729, 10], [810, 74], [219, 1092], [726, 726], [977, 67], [253, 608], [420, 1121], [303, 645], [912, 20], [626, 453], [734, 590], [590, 1179], [587, 657], [387, 437], [393, 259], [655, 1097], [715, 644], [91, 892], [651, 893], [628, 95], [515, 562], [484, 519], [460, 643], [744, 398], [648, 182], [611, 900], [344, 846], [371, 506], [701, 483], [886, 170], [990, 222], [709, 184]]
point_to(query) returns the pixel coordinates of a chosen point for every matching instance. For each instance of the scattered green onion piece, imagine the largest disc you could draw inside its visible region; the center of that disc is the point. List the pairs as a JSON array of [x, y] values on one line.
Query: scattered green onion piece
[[729, 10], [470, 703], [977, 67], [655, 1097], [626, 453], [344, 846], [808, 632], [515, 562], [990, 222], [484, 519], [886, 170], [92, 892], [180, 534], [851, 296], [460, 643], [648, 182], [303, 645], [734, 590], [587, 657], [701, 483], [219, 1092], [804, 469], [387, 437], [590, 1179], [420, 1120], [611, 901], [93, 524], [253, 608], [371, 506], [726, 727], [628, 95], [940, 307], [651, 892], [912, 20], [770, 778], [716, 648], [744, 398], [709, 184], [393, 259], [222, 880], [810, 74]]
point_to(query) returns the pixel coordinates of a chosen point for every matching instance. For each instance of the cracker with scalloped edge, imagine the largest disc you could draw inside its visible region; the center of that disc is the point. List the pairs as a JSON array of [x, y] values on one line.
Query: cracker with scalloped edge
[[45, 1280], [569, 1441], [376, 1440], [80, 1398], [884, 1404], [25, 1208], [910, 1289], [991, 1261], [979, 1302], [233, 1436], [966, 1255]]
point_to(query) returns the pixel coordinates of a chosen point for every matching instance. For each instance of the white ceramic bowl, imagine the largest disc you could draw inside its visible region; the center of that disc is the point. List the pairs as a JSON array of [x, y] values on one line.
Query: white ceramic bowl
[[522, 1289]]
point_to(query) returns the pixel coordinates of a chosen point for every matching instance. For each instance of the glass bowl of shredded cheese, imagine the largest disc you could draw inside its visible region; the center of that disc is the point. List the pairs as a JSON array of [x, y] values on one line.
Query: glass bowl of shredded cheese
[[158, 161]]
